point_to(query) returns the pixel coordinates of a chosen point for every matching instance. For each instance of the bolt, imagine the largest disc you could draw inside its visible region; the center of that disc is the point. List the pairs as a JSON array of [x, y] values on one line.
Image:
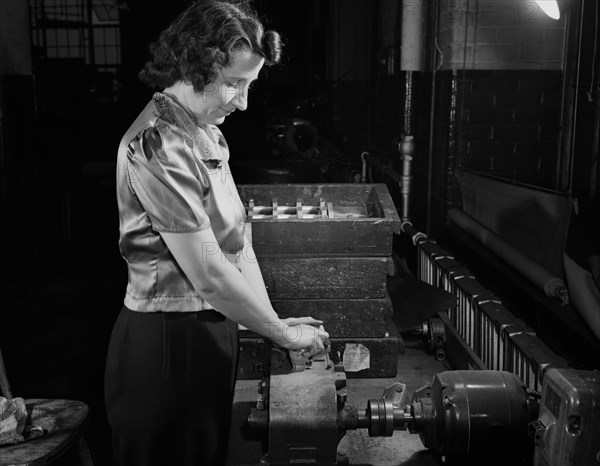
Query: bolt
[[574, 424], [262, 387], [398, 389], [341, 396], [440, 355], [447, 402]]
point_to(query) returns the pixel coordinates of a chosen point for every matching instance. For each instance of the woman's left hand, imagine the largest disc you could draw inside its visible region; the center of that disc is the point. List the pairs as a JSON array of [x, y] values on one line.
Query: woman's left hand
[[291, 321]]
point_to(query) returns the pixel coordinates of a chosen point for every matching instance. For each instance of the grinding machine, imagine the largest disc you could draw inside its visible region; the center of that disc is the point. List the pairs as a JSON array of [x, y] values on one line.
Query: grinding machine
[[462, 417]]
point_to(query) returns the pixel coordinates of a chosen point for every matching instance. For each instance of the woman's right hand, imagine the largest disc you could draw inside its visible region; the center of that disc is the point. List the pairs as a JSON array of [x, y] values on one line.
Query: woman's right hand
[[304, 333]]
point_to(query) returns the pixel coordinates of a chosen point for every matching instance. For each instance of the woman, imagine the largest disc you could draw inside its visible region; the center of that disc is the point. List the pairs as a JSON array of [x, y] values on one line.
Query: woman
[[171, 362]]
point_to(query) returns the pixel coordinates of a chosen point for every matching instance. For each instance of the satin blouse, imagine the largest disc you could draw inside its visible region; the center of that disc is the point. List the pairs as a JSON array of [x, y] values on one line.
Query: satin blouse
[[173, 176]]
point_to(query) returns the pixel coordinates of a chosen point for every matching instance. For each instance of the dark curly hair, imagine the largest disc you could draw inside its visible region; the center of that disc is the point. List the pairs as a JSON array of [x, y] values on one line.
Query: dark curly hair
[[202, 40]]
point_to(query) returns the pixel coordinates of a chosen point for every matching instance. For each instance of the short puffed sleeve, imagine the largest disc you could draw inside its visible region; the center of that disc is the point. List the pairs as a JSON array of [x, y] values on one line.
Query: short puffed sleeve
[[168, 180]]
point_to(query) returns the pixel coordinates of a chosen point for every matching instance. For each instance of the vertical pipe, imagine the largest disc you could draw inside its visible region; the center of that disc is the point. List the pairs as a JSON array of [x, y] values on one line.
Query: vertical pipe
[[576, 104], [412, 35], [407, 149], [411, 49], [570, 91], [363, 167], [435, 13], [408, 95]]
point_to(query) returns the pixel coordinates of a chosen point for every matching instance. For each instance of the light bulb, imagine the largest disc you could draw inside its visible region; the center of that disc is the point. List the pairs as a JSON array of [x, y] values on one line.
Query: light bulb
[[550, 7]]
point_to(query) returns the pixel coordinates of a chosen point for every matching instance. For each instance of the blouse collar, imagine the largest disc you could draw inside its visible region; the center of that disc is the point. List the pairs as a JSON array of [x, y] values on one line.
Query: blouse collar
[[203, 137]]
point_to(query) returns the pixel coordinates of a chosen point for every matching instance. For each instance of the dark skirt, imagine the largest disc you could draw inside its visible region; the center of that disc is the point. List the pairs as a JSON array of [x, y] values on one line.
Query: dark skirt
[[169, 386]]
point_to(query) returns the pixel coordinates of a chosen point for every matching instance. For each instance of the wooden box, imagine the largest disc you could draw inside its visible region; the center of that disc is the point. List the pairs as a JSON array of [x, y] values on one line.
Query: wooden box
[[360, 224]]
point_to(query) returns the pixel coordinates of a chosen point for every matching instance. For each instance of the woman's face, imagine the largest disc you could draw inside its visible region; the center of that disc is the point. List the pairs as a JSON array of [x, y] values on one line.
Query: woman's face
[[228, 92]]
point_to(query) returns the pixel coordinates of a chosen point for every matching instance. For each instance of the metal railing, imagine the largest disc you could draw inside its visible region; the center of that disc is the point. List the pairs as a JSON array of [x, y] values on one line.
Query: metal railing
[[488, 327]]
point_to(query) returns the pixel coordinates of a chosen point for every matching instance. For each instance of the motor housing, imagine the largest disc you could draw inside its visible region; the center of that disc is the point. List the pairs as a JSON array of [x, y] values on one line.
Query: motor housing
[[465, 415]]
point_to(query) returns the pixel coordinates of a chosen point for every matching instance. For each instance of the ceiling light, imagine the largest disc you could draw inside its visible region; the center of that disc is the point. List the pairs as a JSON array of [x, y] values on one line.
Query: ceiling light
[[550, 7]]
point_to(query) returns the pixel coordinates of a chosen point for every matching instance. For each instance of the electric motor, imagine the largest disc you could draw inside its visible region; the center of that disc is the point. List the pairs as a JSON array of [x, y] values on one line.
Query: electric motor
[[469, 414]]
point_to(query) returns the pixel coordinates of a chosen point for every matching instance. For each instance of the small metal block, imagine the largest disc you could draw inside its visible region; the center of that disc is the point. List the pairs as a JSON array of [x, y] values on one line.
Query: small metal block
[[250, 207]]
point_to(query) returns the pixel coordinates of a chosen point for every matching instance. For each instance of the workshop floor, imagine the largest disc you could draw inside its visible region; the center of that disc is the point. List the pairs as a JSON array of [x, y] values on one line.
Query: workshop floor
[[415, 369]]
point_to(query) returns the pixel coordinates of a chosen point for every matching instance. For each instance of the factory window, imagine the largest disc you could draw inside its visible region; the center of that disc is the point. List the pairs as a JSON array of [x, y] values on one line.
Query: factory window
[[86, 30]]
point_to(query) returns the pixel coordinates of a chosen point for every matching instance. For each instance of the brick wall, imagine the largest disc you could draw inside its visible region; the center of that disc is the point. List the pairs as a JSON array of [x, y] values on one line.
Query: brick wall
[[510, 124], [499, 35], [503, 123], [498, 98]]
